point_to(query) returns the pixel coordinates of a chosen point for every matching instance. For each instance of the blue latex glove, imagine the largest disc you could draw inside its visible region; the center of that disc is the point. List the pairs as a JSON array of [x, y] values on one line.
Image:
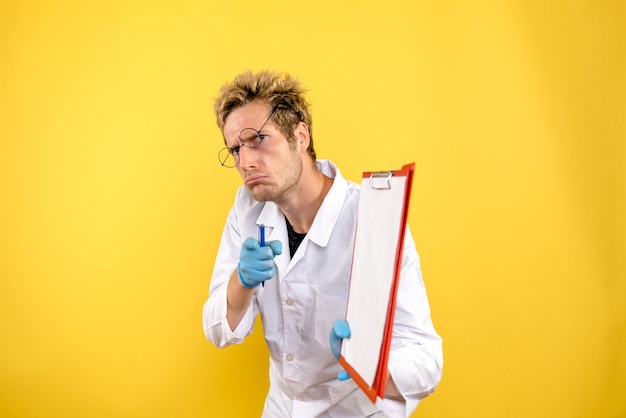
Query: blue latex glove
[[338, 332], [256, 263]]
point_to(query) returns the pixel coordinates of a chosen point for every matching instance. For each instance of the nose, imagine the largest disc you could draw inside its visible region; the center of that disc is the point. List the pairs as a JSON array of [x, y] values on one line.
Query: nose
[[247, 158]]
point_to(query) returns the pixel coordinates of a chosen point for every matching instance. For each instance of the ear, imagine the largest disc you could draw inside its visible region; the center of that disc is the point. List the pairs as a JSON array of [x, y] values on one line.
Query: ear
[[302, 135]]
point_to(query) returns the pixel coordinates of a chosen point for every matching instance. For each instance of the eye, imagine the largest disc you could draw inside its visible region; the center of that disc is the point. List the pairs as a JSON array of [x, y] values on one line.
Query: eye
[[255, 141], [235, 150]]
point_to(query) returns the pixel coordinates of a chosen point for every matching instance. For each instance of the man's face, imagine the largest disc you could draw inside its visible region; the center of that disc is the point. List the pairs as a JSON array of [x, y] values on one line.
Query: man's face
[[272, 170]]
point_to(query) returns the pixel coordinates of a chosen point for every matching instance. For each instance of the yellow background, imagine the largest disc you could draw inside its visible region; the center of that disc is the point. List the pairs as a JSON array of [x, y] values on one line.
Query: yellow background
[[113, 200]]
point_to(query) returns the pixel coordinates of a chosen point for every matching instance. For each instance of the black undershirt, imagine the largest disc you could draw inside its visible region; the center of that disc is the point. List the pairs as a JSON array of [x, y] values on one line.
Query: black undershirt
[[295, 238]]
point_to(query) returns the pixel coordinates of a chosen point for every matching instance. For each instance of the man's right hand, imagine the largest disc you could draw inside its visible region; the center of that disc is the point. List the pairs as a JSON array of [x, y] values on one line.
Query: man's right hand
[[338, 332], [256, 263]]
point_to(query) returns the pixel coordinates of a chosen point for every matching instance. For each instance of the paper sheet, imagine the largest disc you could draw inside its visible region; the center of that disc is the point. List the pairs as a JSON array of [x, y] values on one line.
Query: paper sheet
[[381, 220]]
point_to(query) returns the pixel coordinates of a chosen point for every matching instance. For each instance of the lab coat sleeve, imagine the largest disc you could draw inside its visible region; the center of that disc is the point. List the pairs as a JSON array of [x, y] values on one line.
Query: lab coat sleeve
[[416, 357], [216, 328]]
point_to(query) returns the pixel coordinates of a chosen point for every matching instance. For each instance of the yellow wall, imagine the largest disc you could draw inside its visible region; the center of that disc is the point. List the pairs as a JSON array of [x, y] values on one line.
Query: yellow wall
[[113, 200]]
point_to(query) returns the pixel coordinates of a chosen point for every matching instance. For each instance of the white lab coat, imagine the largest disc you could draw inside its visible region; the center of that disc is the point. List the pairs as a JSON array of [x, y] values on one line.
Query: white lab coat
[[309, 292]]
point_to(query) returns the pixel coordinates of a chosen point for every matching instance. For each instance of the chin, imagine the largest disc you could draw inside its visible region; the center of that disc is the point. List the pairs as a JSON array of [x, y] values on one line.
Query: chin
[[260, 195]]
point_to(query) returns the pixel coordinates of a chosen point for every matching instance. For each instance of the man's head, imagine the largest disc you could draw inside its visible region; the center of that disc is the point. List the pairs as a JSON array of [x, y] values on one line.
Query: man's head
[[281, 92]]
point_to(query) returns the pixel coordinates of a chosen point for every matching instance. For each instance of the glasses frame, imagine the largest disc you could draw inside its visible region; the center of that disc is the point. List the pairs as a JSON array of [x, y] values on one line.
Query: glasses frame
[[253, 142]]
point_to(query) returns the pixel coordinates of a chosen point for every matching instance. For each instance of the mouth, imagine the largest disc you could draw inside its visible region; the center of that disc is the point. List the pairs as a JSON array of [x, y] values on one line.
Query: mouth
[[254, 180]]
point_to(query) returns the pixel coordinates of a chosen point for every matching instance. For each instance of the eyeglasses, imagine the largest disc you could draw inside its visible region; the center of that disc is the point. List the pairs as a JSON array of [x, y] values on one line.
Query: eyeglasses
[[248, 137]]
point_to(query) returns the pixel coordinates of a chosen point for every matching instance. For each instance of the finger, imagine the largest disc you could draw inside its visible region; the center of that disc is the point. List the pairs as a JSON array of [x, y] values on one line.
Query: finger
[[343, 375], [263, 253], [264, 274], [259, 267], [251, 244], [276, 246], [335, 345], [341, 328], [261, 264]]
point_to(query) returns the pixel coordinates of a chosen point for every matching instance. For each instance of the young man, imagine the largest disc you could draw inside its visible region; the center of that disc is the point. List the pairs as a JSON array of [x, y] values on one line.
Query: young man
[[300, 291]]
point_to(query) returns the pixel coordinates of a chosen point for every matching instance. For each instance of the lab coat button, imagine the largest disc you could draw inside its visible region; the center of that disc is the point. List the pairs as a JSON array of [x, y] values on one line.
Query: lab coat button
[[289, 302], [289, 357]]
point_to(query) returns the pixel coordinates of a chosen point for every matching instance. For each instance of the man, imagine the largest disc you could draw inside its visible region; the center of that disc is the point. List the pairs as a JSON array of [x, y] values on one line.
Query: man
[[306, 205]]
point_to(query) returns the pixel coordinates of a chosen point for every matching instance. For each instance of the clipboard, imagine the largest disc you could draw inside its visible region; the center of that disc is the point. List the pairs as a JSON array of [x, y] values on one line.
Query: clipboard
[[376, 265]]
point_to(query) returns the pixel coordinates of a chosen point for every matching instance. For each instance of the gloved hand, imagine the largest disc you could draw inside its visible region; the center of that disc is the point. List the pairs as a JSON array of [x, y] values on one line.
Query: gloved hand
[[338, 332], [256, 263]]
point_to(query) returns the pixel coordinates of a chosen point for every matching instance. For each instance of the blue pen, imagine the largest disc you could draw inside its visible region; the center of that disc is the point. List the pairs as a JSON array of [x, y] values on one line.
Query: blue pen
[[262, 235], [262, 243]]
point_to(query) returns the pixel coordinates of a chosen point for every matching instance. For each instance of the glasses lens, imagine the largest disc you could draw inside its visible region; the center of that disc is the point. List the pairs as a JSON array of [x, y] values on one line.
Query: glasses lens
[[227, 159], [250, 138]]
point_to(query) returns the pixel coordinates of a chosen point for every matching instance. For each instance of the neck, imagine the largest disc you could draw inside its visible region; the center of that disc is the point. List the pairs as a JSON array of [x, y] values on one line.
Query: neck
[[302, 208]]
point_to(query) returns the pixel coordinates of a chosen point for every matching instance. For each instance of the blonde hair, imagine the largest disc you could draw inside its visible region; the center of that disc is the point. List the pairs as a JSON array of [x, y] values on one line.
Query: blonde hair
[[282, 92]]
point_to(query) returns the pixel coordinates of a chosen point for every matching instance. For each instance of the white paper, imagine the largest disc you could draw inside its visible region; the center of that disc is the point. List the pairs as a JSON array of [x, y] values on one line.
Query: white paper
[[379, 219]]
